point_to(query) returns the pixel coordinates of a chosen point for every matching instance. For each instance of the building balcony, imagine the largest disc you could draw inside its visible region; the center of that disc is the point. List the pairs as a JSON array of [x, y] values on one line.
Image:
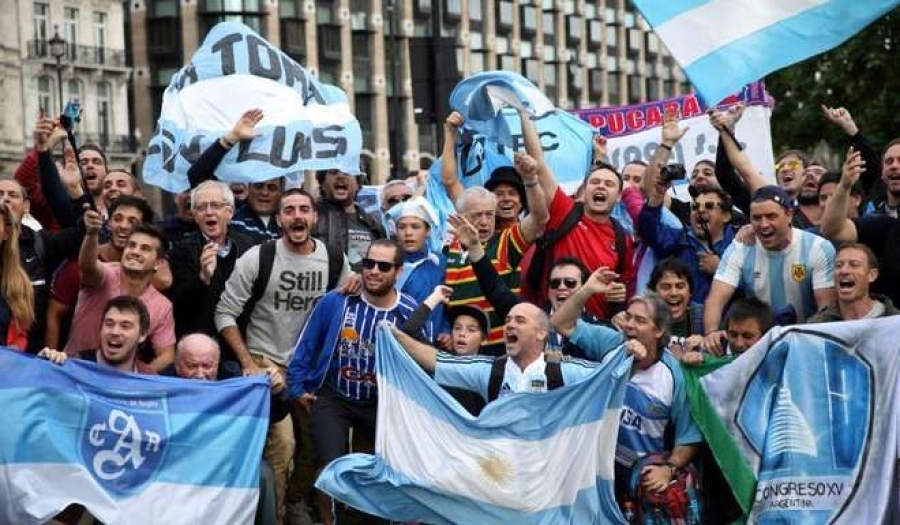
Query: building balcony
[[79, 55]]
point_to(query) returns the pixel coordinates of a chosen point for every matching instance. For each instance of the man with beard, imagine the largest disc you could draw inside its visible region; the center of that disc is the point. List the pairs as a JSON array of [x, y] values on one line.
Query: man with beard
[[855, 269], [255, 216], [342, 222], [204, 259], [655, 398], [132, 276], [124, 213], [890, 176], [789, 268], [266, 301], [332, 373], [881, 233]]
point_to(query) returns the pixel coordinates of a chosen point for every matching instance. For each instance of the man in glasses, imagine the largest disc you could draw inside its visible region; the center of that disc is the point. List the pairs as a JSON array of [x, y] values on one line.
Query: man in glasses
[[393, 193], [332, 372], [203, 260], [255, 217], [701, 243]]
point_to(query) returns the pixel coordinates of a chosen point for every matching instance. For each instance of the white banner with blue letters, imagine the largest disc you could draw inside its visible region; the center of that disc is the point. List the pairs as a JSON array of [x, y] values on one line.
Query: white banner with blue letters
[[306, 125], [132, 449]]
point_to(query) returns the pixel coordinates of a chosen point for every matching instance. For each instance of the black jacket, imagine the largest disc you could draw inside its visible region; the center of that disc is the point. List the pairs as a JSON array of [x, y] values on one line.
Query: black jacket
[[333, 225], [194, 302]]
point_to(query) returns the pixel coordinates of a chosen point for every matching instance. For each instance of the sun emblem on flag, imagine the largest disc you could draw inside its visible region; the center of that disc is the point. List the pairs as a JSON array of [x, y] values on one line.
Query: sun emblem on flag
[[798, 272], [496, 469]]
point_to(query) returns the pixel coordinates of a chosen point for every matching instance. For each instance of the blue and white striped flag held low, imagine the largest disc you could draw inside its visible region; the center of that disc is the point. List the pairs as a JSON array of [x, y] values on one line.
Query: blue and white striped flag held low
[[132, 449], [725, 44], [529, 459]]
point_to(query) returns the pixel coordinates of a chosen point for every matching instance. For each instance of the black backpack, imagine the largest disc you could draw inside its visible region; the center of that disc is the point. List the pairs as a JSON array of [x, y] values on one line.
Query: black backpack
[[540, 269], [553, 371], [267, 261]]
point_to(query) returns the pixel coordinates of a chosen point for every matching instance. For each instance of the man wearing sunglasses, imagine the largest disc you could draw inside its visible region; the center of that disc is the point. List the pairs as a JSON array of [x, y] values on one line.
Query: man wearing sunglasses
[[332, 373], [700, 244]]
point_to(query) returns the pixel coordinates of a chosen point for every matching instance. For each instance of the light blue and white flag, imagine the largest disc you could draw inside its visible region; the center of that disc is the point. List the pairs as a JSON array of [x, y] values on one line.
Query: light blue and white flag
[[724, 44], [528, 459], [488, 103], [813, 409], [132, 449], [306, 125]]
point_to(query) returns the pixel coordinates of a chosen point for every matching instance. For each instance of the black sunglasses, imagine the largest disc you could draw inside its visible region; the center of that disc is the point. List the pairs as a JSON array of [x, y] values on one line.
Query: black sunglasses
[[398, 199], [570, 282], [708, 206], [383, 266]]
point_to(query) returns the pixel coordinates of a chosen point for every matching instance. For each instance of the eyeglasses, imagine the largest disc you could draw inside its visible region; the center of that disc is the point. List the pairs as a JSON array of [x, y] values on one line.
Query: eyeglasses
[[397, 199], [789, 165], [708, 205], [570, 282], [383, 266], [214, 206]]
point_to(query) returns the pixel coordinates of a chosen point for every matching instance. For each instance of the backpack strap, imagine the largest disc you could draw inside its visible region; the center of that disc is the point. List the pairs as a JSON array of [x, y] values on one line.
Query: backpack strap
[[335, 265], [498, 370], [620, 245], [544, 245], [553, 371], [266, 262]]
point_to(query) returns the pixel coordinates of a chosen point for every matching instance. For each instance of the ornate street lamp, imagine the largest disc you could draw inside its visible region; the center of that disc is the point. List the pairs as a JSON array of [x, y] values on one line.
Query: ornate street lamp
[[57, 50]]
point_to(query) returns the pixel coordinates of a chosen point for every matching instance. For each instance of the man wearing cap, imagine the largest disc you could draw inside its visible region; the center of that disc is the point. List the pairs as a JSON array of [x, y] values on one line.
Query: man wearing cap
[[506, 184], [789, 268]]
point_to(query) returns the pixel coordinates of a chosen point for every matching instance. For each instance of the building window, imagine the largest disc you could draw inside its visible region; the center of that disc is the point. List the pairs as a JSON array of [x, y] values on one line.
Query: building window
[[550, 82], [73, 90], [508, 63], [476, 11], [103, 112], [45, 96], [41, 22], [70, 30], [249, 12], [476, 62], [162, 8], [505, 12], [612, 87], [325, 13], [453, 8], [99, 29], [528, 19]]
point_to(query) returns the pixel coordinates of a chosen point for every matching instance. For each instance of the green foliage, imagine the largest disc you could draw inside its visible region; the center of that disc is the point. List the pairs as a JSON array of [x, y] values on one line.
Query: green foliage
[[860, 75]]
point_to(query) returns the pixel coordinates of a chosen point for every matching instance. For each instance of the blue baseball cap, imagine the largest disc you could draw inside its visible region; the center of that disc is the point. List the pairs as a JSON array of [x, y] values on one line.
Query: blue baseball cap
[[774, 193]]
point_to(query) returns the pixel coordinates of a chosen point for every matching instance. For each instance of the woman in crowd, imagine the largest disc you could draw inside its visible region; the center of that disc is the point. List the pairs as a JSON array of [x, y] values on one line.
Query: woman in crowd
[[17, 297]]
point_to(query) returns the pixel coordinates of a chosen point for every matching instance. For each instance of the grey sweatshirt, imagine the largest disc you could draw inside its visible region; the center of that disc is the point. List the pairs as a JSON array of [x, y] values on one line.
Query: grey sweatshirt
[[295, 283]]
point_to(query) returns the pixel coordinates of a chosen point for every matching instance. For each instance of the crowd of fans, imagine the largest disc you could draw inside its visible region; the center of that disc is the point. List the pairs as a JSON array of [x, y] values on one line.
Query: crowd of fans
[[529, 288]]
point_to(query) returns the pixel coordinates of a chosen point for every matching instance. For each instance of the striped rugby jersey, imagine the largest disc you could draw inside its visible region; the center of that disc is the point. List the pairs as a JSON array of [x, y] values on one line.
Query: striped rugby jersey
[[781, 278], [505, 249]]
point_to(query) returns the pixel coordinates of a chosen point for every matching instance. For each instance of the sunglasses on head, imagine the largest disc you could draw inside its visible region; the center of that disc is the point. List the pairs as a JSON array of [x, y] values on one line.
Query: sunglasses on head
[[789, 164], [398, 199], [708, 205], [383, 266], [570, 282]]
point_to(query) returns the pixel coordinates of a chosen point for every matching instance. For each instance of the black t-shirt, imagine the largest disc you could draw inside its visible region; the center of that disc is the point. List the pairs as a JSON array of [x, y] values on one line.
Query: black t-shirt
[[882, 234]]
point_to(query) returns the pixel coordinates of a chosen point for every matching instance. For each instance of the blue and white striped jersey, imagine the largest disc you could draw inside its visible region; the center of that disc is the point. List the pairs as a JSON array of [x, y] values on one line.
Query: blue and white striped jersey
[[781, 278], [353, 377]]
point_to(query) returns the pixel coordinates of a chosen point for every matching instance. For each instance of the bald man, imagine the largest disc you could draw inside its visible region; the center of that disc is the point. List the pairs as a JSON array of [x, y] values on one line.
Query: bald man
[[522, 369]]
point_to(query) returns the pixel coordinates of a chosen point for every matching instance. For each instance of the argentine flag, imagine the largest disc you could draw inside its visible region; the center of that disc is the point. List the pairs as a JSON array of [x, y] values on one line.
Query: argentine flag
[[530, 458], [132, 449], [724, 44]]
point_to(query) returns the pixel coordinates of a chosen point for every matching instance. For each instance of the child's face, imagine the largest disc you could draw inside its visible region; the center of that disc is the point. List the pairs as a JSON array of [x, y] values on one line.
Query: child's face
[[466, 335]]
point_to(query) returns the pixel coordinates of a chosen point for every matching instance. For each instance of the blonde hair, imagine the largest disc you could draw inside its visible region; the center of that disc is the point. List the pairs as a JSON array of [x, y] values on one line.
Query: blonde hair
[[14, 282]]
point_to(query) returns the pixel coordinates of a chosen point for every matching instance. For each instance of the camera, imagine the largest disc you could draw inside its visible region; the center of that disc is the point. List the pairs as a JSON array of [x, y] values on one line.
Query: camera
[[672, 172], [70, 115]]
